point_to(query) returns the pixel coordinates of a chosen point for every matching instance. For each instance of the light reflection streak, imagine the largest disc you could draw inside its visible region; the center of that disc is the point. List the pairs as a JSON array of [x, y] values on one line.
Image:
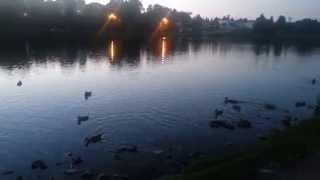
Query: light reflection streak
[[112, 50], [163, 49]]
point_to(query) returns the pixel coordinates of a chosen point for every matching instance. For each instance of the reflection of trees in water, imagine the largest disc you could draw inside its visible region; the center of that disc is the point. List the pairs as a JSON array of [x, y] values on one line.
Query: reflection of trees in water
[[70, 55], [278, 49], [66, 54], [122, 54]]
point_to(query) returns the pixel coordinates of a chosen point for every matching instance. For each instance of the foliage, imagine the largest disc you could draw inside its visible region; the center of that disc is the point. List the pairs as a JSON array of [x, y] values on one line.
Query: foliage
[[27, 19], [281, 28]]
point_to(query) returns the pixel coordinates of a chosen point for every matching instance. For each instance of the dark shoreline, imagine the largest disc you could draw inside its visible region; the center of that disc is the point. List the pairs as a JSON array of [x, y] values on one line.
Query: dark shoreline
[[274, 154]]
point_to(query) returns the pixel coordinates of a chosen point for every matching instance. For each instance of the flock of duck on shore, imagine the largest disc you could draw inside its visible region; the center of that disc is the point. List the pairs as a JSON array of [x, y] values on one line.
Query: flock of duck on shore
[[72, 161], [287, 120]]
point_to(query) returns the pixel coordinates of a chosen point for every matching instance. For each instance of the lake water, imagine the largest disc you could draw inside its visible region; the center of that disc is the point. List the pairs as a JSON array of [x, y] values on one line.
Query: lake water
[[159, 97]]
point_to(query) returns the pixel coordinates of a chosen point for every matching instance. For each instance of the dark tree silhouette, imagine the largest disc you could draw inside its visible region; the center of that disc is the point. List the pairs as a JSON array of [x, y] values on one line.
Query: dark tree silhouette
[[73, 19]]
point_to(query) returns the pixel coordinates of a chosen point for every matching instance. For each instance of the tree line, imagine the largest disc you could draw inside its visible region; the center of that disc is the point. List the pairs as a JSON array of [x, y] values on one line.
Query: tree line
[[282, 28], [75, 18], [25, 19]]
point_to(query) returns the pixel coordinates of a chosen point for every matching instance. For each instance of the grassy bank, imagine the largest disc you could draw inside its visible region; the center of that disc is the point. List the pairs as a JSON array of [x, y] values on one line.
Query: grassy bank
[[281, 150]]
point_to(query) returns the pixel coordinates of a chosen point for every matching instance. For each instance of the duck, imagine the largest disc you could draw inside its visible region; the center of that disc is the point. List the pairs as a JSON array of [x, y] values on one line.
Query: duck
[[270, 107], [19, 84], [82, 119], [221, 124], [244, 124], [236, 108], [87, 95], [76, 161], [230, 101], [94, 139], [39, 164], [314, 81], [218, 113], [301, 104], [5, 173], [127, 148]]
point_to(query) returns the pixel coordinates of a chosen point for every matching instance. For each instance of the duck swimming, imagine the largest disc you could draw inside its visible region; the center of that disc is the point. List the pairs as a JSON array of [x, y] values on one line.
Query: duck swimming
[[93, 140], [218, 113], [39, 164], [301, 104], [82, 119], [231, 101], [236, 108], [87, 95], [19, 84], [314, 81]]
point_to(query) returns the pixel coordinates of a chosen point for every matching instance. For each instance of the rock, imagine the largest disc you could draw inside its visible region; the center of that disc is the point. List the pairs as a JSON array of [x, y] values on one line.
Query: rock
[[76, 161], [39, 164], [221, 124], [71, 171], [169, 156], [158, 152], [310, 107], [5, 173], [19, 84], [119, 177], [231, 101], [87, 95], [244, 124], [236, 108], [82, 119], [286, 111], [266, 171], [51, 178], [19, 178], [93, 140], [87, 175], [195, 155], [127, 148], [276, 131], [218, 113], [117, 157], [68, 154], [263, 138], [270, 107], [301, 104], [103, 176]]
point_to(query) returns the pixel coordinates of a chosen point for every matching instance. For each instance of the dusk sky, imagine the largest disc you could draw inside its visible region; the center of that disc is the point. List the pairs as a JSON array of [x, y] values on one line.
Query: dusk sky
[[296, 9]]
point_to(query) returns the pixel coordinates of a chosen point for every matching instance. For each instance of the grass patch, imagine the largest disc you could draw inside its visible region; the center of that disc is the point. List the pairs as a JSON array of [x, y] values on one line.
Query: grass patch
[[284, 149]]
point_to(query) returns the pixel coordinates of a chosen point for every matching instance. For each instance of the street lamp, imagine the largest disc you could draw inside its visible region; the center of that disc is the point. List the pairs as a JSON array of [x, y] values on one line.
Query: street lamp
[[112, 17], [165, 21]]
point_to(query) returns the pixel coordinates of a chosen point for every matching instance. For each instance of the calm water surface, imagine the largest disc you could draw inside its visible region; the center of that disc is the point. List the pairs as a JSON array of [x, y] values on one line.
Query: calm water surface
[[157, 97]]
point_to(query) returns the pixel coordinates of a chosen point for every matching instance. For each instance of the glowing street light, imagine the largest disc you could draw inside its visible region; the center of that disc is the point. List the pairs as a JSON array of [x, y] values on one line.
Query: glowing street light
[[165, 21], [112, 17]]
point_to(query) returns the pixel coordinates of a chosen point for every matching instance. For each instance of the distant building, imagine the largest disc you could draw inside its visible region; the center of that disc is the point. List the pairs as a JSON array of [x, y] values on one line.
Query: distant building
[[231, 24]]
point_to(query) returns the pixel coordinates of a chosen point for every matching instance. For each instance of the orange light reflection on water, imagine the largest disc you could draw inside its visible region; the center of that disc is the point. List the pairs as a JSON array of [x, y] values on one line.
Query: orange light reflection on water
[[112, 50], [163, 49]]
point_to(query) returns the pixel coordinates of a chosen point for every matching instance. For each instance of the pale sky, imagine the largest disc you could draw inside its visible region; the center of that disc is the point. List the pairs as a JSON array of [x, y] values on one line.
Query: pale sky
[[296, 9]]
